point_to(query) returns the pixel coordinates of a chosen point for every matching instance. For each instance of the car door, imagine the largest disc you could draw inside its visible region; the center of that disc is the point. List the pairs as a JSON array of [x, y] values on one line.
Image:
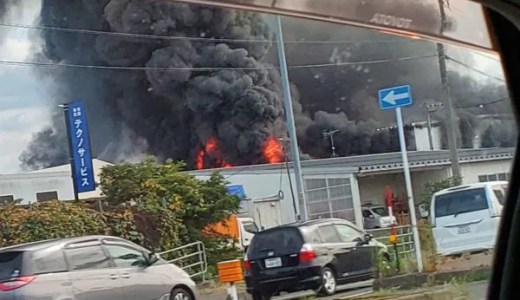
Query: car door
[[140, 281], [340, 253], [361, 253], [90, 272]]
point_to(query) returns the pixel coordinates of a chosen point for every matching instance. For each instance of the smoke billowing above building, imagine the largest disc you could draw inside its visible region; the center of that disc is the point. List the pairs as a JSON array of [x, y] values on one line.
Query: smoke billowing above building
[[187, 84]]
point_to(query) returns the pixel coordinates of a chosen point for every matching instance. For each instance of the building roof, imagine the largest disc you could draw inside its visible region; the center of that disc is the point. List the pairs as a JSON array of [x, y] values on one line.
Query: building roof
[[381, 162], [96, 163]]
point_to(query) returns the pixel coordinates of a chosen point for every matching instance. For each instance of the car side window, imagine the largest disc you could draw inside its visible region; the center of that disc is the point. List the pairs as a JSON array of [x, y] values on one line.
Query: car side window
[[85, 258], [328, 234], [44, 262], [125, 257], [347, 233]]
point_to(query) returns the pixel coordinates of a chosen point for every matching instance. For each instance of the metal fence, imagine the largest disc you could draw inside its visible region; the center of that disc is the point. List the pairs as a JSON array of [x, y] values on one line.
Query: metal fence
[[191, 258], [404, 238]]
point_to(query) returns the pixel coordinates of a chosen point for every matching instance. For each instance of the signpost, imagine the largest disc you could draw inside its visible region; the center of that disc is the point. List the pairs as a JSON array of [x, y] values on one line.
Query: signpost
[[79, 148], [395, 98]]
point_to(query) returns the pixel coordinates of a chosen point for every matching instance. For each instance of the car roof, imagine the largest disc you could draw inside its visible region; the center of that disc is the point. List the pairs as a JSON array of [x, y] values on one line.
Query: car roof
[[310, 223], [39, 245], [469, 186]]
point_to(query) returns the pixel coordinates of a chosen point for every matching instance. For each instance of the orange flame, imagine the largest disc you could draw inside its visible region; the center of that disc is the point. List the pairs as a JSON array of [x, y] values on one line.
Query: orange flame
[[199, 161], [211, 145], [273, 150], [210, 148]]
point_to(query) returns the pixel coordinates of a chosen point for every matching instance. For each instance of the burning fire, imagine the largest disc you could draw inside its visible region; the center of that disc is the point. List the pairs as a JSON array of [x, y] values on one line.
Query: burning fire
[[273, 150], [272, 153], [199, 161], [210, 149]]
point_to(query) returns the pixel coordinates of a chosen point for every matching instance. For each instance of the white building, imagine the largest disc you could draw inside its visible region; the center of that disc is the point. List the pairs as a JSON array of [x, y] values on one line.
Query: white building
[[47, 184], [335, 187], [338, 187]]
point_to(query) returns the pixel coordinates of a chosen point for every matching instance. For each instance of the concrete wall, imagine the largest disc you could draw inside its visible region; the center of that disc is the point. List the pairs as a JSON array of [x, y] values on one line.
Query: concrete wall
[[471, 171], [372, 187], [265, 185]]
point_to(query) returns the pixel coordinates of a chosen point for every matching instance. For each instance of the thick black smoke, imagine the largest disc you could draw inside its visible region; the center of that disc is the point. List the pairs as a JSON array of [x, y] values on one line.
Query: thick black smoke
[[171, 108], [174, 108]]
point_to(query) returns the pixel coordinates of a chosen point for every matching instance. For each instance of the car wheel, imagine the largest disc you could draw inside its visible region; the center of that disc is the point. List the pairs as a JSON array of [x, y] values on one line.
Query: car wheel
[[328, 284], [181, 294], [260, 296]]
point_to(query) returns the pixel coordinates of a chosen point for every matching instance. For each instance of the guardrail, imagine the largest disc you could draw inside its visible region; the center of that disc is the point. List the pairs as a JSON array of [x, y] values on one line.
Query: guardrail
[[404, 238], [191, 258]]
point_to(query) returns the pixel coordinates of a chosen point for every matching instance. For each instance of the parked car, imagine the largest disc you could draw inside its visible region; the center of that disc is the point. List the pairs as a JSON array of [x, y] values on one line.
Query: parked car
[[377, 217], [466, 218], [316, 255], [86, 268]]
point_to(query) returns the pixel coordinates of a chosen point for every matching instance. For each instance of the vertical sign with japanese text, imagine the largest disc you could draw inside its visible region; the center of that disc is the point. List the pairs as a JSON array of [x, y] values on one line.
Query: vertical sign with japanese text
[[81, 158]]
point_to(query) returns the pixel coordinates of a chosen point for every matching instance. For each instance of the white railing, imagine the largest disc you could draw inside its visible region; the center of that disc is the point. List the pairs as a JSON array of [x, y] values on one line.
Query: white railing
[[404, 238], [191, 258]]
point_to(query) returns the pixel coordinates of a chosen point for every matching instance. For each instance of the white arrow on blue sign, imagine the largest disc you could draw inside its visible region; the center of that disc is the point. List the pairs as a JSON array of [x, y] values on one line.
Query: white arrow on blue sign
[[395, 97]]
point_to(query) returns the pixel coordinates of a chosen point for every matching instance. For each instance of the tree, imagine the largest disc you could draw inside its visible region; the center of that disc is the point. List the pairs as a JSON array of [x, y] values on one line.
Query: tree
[[171, 206], [432, 187]]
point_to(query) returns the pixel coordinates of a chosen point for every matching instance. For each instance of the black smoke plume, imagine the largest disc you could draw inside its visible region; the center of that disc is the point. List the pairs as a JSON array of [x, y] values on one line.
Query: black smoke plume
[[173, 108]]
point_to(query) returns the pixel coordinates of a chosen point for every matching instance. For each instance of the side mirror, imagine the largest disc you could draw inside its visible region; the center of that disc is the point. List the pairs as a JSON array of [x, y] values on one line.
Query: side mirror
[[371, 216], [368, 237], [152, 258]]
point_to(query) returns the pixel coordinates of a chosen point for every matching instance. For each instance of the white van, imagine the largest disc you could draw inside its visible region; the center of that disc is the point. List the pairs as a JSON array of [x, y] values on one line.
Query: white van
[[466, 218]]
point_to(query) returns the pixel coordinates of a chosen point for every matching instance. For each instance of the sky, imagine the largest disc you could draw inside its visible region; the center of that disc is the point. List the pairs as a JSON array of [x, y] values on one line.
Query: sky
[[23, 109]]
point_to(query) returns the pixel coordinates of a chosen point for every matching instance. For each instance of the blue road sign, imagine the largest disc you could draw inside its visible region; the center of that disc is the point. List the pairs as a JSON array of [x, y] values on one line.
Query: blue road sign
[[83, 172], [395, 97], [237, 190]]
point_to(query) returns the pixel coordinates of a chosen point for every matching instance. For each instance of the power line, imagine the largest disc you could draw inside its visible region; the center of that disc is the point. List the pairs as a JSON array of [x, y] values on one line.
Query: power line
[[474, 69], [484, 104], [205, 39], [68, 65]]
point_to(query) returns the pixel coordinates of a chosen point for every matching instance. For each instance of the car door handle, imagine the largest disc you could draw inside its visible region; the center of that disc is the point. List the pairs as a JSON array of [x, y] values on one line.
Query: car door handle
[[113, 276], [126, 275], [330, 248]]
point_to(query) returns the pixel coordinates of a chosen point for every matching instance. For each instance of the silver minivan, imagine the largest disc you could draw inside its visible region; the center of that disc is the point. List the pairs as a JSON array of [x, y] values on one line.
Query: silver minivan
[[466, 218], [87, 268]]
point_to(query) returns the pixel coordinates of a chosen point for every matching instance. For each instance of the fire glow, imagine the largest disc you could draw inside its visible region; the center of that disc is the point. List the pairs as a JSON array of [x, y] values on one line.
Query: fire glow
[[272, 153]]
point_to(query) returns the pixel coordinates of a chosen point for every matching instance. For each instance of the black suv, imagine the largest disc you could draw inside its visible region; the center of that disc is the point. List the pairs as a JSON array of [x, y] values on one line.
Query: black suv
[[317, 255]]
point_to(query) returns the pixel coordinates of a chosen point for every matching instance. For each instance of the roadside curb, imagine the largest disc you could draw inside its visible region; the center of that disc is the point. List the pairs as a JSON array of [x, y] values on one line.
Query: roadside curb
[[416, 280], [423, 295]]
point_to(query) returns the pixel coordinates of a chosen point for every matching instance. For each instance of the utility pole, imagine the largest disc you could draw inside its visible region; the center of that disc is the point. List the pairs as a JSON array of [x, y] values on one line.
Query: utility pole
[[431, 108], [450, 111], [330, 134], [289, 114]]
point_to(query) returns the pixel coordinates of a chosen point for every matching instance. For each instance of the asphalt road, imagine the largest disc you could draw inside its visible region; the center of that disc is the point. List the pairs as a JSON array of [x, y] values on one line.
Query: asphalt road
[[476, 291]]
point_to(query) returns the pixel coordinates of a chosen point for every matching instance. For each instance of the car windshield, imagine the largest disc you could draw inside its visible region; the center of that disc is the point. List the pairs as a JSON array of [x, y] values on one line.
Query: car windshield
[[171, 122], [10, 264], [454, 203], [382, 211], [250, 227]]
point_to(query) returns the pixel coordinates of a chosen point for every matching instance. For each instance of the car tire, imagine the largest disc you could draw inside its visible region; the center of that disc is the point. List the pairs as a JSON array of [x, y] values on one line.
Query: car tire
[[328, 284], [181, 294]]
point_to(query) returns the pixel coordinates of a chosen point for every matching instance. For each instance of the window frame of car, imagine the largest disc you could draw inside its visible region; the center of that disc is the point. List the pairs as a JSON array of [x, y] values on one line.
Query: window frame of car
[[84, 244], [323, 240], [360, 232], [119, 243]]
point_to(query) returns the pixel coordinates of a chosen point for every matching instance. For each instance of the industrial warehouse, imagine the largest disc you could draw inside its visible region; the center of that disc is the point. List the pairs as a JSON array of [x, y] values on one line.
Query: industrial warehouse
[[334, 187]]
